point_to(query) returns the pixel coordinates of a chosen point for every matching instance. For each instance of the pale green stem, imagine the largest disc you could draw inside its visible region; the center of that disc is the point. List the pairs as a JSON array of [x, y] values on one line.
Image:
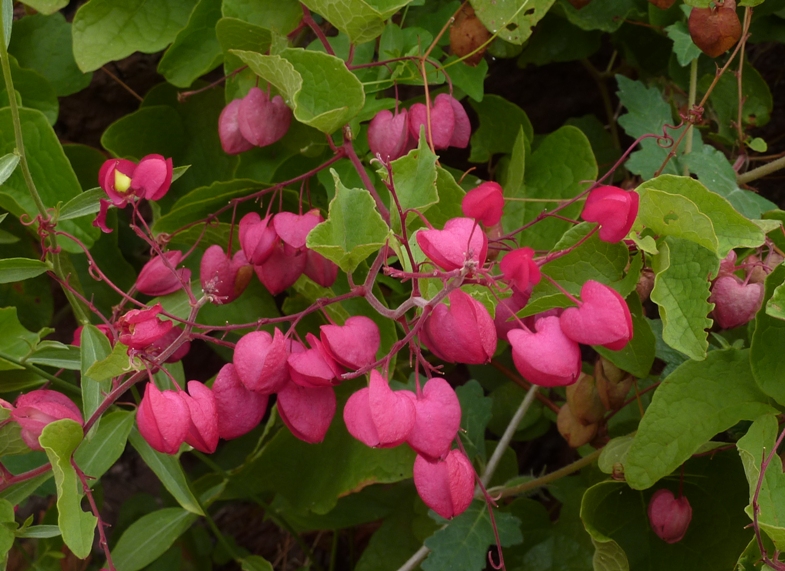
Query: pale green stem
[[79, 311], [690, 104]]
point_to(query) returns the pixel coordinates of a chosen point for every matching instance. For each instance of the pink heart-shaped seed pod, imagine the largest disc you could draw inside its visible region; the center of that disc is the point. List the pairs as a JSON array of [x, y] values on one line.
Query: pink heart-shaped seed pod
[[735, 303], [484, 203], [320, 269], [232, 140], [460, 241], [442, 122], [669, 516], [152, 177], [614, 209], [164, 419], [157, 279], [519, 269], [263, 122], [379, 417], [446, 486], [461, 333], [36, 409], [353, 344], [728, 263], [293, 229], [239, 410], [257, 237], [437, 420], [224, 278], [307, 412], [602, 319], [203, 432], [260, 361], [281, 269], [141, 327], [463, 127], [313, 367], [388, 134], [547, 358]]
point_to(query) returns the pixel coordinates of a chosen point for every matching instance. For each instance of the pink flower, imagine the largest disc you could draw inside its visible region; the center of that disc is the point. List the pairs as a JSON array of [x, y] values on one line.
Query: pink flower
[[307, 412], [257, 237], [450, 126], [262, 122], [437, 419], [157, 279], [313, 367], [164, 419], [461, 241], [139, 328], [388, 135], [203, 431], [320, 269], [614, 209], [260, 361], [284, 267], [735, 303], [446, 486], [239, 410], [378, 416], [232, 140], [669, 516], [293, 229], [222, 277], [484, 203], [519, 269], [603, 318], [36, 409], [353, 344], [103, 328], [461, 333], [548, 357], [122, 180]]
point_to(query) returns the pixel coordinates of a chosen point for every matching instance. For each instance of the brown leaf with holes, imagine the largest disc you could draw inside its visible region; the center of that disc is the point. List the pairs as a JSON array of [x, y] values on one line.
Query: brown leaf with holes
[[662, 4], [467, 34], [715, 30]]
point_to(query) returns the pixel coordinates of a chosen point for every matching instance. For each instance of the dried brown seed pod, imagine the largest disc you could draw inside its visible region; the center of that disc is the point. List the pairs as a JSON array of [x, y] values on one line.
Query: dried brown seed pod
[[715, 30], [575, 433], [467, 34]]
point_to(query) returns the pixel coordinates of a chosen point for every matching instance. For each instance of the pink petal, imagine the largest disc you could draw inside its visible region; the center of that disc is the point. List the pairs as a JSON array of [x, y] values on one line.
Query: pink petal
[[307, 412]]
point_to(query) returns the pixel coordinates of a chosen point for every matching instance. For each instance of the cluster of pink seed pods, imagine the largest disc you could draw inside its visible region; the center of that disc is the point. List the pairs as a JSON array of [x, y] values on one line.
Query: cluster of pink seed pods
[[253, 121]]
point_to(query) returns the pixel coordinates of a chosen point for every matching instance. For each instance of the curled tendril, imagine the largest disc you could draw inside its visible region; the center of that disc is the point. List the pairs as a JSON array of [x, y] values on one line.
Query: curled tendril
[[494, 564]]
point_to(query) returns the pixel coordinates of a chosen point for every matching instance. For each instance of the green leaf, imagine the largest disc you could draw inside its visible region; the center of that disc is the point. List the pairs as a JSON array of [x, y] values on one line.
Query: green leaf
[[280, 16], [697, 400], [606, 16], [592, 260], [59, 440], [18, 269], [471, 79], [236, 34], [104, 445], [557, 40], [195, 50], [512, 20], [318, 87], [681, 289], [500, 122], [55, 354], [414, 176], [7, 525], [768, 333], [514, 187], [106, 31], [15, 341], [39, 532], [361, 20], [724, 100], [7, 8], [35, 91], [296, 469], [255, 563], [559, 168], [683, 46], [169, 471], [647, 113], [149, 537], [615, 515], [7, 165], [462, 545], [757, 443], [475, 415], [95, 347], [52, 173], [43, 43], [46, 6], [450, 197], [84, 204], [775, 306], [11, 440], [115, 364], [354, 229], [638, 356], [757, 144]]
